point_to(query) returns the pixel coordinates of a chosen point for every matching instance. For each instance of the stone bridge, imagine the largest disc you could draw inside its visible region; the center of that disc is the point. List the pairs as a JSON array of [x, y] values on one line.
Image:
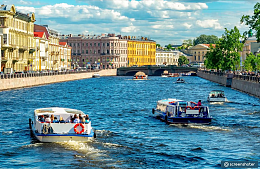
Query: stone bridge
[[153, 70]]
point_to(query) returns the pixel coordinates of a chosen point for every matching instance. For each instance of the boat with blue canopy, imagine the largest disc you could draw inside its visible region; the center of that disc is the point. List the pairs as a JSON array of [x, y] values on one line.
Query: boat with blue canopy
[[174, 111]]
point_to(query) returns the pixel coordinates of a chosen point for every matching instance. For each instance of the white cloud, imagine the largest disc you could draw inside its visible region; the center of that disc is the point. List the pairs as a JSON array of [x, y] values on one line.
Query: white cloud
[[209, 23], [187, 25]]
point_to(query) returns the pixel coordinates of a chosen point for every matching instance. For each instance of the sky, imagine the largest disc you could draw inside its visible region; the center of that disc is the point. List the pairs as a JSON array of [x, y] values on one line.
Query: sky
[[165, 21]]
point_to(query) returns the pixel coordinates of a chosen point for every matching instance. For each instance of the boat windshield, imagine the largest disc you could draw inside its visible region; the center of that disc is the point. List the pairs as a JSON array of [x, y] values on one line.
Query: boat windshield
[[217, 93]]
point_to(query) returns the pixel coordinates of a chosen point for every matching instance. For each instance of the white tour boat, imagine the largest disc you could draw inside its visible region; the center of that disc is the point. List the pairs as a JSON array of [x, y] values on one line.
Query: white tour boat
[[174, 111], [96, 75], [167, 74], [62, 127], [217, 96], [140, 76]]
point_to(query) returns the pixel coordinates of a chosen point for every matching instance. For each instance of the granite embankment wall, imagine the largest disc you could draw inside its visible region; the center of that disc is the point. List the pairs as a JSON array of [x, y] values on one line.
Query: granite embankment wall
[[7, 84], [250, 87]]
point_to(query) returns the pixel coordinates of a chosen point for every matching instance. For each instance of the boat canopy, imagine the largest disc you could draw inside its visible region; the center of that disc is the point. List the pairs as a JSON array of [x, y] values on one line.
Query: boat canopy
[[57, 111], [140, 74], [217, 92]]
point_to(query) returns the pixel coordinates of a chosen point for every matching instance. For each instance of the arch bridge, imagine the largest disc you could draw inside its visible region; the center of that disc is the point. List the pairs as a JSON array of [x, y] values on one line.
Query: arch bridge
[[152, 70]]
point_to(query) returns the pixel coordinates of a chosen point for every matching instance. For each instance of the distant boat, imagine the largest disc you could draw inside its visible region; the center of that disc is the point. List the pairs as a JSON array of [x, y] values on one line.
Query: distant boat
[[140, 76], [217, 96], [167, 74], [180, 80], [96, 75]]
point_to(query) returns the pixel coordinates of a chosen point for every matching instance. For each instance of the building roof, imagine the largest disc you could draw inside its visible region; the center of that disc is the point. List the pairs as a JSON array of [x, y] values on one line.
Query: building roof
[[39, 28], [208, 45], [38, 34], [63, 43]]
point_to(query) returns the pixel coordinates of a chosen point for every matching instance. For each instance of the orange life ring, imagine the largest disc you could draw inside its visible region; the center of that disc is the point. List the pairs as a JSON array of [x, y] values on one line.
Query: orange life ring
[[81, 125], [189, 107], [142, 77], [136, 77], [196, 107]]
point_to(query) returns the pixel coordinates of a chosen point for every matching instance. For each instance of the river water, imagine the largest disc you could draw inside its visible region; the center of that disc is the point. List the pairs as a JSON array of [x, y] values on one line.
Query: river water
[[128, 136]]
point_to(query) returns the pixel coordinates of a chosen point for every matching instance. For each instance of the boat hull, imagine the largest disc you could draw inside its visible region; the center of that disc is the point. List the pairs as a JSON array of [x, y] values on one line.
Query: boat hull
[[184, 120], [217, 99], [48, 138]]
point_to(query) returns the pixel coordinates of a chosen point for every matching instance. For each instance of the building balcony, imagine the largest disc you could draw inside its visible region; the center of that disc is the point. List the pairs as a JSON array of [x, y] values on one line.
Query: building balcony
[[4, 59], [57, 53]]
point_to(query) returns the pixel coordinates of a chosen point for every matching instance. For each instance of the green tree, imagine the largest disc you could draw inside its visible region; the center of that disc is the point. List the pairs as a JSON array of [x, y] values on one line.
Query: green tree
[[158, 45], [205, 39], [253, 21], [231, 46], [250, 62], [169, 47], [225, 55], [214, 57], [182, 60]]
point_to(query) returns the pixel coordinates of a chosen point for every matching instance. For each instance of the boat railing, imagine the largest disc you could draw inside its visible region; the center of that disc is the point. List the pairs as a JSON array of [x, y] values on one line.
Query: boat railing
[[196, 111]]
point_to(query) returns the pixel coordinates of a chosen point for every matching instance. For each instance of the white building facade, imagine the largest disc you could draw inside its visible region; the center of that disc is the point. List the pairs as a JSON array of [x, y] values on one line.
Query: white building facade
[[167, 57]]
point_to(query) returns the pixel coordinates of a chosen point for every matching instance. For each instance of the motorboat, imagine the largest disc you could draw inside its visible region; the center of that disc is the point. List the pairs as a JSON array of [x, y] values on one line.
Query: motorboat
[[174, 111], [62, 128], [140, 76], [96, 75], [167, 74], [217, 96], [180, 80]]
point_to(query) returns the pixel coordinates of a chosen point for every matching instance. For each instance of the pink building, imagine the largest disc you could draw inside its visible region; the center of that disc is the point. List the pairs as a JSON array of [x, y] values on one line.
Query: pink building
[[104, 52]]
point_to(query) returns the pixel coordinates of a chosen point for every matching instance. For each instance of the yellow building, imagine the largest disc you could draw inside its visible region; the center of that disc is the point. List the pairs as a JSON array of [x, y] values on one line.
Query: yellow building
[[140, 51], [198, 52], [17, 30]]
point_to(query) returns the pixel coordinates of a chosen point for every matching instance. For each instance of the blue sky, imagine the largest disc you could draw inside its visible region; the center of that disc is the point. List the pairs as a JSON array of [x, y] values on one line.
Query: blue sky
[[165, 21]]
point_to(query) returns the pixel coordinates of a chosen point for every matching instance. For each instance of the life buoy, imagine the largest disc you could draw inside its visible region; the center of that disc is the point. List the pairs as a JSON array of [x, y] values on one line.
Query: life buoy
[[196, 108], [81, 125], [136, 77], [189, 107]]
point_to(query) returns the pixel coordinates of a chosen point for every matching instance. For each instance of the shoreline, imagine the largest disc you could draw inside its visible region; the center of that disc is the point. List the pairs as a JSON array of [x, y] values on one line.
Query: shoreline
[[18, 83]]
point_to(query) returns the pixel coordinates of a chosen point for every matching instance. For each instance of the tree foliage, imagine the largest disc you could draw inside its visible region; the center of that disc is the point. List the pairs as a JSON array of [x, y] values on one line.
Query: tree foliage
[[182, 60], [205, 39], [253, 21], [158, 45], [225, 55], [252, 62], [169, 47]]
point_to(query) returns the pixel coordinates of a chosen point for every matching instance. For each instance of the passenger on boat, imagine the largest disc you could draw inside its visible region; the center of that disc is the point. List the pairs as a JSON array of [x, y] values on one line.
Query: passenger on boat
[[61, 120], [80, 117], [41, 118], [52, 118], [199, 103], [47, 119], [83, 120], [55, 120], [76, 120], [87, 119]]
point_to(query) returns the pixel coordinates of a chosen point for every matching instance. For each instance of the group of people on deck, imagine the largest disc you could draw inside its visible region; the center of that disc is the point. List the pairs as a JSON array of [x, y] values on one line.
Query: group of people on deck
[[53, 119], [79, 119]]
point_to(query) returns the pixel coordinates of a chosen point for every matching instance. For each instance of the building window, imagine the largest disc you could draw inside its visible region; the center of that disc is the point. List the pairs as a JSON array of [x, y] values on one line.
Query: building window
[[194, 57], [86, 44], [86, 51], [98, 44], [82, 44], [5, 38], [107, 51], [107, 44], [98, 51], [90, 51], [198, 57], [90, 44], [82, 60], [82, 51], [94, 44], [78, 44]]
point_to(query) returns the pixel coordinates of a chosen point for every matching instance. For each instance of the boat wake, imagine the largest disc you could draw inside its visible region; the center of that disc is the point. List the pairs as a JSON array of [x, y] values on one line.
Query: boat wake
[[82, 147], [201, 127]]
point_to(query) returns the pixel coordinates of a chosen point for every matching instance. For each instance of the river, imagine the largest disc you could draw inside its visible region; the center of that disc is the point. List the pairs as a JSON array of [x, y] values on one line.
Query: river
[[128, 136]]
